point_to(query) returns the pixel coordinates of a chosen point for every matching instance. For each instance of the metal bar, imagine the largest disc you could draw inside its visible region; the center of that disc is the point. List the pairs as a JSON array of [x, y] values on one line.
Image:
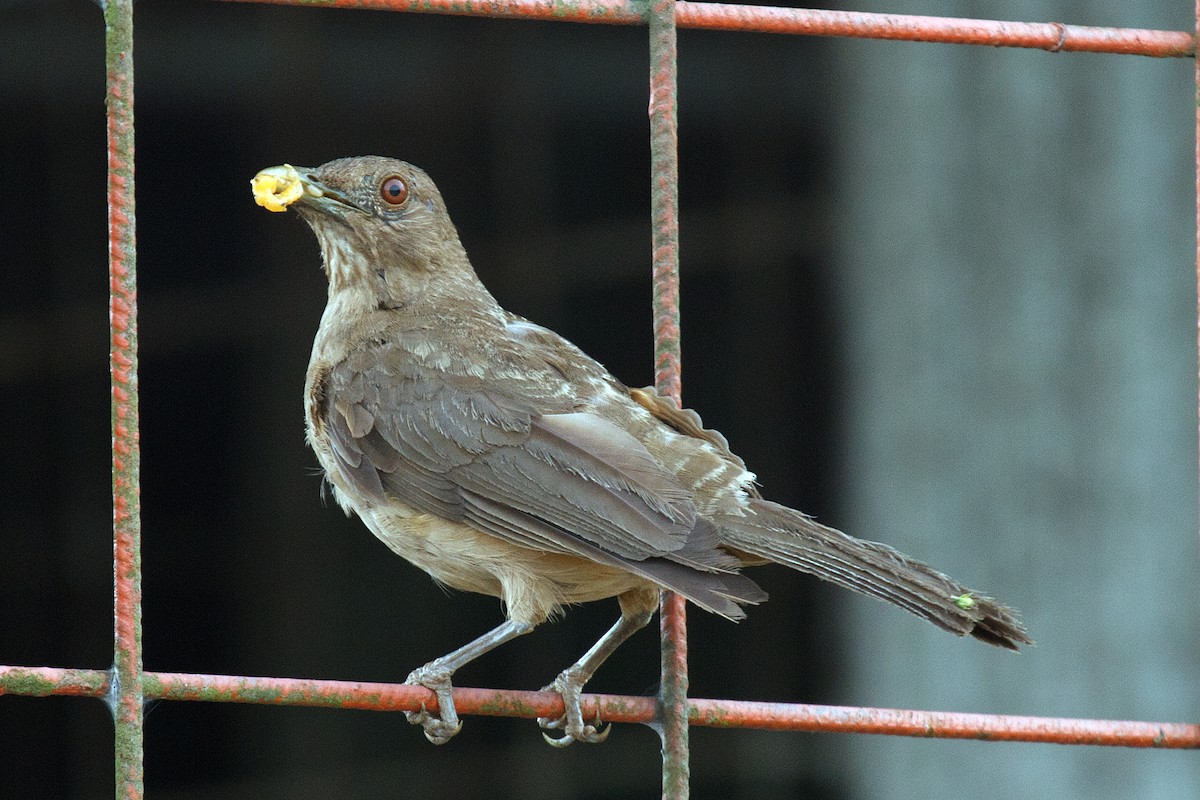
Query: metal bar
[[664, 205], [44, 681], [664, 200], [944, 725], [125, 690], [47, 681], [1051, 36]]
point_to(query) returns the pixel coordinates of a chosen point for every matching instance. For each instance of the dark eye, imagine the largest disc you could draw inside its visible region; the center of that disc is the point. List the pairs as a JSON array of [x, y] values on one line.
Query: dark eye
[[393, 190]]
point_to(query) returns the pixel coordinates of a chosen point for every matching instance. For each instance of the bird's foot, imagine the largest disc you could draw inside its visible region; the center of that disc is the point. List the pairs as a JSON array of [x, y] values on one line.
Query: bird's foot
[[439, 729], [571, 723]]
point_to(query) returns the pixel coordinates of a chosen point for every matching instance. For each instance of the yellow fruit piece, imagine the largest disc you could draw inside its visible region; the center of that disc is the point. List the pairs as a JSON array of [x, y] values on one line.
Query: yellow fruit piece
[[276, 188]]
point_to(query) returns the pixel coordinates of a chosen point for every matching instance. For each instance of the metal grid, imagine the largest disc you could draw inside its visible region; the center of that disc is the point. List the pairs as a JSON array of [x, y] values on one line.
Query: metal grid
[[126, 686]]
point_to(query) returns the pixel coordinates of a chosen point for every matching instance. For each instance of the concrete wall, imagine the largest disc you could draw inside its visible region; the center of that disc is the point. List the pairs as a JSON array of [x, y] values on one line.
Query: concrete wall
[[1015, 239]]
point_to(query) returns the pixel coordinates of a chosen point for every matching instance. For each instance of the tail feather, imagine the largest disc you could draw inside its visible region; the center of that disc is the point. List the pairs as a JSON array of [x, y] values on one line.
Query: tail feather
[[718, 592], [779, 534]]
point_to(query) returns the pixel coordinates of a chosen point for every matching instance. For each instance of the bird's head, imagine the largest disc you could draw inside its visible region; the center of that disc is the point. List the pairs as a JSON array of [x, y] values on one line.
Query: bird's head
[[381, 223]]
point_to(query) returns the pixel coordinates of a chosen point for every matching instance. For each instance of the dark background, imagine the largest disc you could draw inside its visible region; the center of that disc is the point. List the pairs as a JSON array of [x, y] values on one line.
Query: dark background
[[538, 138], [537, 135]]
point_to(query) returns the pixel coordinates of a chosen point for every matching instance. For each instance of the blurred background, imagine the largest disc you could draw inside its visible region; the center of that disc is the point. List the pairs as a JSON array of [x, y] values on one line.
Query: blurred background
[[941, 297]]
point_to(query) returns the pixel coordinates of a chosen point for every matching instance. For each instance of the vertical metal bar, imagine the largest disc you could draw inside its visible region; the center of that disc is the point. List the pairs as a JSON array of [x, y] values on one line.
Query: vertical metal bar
[[126, 695], [664, 198], [673, 700], [1197, 166]]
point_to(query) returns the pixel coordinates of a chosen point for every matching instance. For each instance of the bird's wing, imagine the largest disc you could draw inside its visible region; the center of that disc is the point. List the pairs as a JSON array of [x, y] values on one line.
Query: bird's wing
[[485, 452], [687, 422]]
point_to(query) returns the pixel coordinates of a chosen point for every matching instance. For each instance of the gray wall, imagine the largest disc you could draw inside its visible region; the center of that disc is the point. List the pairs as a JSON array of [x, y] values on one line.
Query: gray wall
[[1016, 239]]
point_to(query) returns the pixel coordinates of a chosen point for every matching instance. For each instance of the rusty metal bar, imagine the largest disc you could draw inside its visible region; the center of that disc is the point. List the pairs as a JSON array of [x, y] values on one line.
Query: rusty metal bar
[[47, 681], [125, 689], [664, 212], [944, 725], [44, 681], [664, 200], [1051, 36]]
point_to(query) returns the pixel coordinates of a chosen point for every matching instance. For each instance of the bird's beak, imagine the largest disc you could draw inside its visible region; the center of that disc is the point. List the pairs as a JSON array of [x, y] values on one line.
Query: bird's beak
[[276, 188]]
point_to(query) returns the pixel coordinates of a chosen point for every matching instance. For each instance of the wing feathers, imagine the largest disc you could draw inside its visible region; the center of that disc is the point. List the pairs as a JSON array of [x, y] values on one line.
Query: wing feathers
[[446, 447], [600, 451]]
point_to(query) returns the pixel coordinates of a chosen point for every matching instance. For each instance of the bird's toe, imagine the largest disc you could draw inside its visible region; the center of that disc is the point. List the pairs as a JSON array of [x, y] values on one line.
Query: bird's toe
[[571, 723], [442, 728]]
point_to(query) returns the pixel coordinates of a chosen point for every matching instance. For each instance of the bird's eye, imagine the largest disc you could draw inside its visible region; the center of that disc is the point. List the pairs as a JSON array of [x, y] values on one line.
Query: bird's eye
[[393, 190]]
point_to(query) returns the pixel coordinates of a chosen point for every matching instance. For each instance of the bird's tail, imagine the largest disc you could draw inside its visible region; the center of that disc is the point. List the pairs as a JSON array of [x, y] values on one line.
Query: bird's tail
[[771, 532]]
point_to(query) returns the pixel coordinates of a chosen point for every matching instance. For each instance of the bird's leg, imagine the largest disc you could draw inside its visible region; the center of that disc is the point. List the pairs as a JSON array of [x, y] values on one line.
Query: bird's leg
[[570, 681], [436, 676]]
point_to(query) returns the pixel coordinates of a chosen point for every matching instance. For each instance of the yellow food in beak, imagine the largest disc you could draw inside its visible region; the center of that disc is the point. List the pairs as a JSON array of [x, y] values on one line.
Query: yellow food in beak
[[276, 188]]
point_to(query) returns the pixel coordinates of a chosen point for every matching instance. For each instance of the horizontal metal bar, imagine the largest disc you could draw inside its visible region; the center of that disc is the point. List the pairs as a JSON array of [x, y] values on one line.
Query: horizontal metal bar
[[944, 724], [43, 681], [1051, 36], [46, 681]]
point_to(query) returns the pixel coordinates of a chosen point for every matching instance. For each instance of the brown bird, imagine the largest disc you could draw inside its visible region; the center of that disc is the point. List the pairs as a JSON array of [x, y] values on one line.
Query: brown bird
[[501, 459]]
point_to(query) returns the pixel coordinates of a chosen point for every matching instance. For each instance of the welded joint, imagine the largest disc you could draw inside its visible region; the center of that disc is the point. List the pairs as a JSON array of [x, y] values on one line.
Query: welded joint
[[1062, 38]]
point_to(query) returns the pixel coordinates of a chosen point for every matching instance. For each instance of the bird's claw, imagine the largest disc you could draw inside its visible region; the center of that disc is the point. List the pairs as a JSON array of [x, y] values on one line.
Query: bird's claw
[[571, 723], [591, 734], [437, 730], [442, 728]]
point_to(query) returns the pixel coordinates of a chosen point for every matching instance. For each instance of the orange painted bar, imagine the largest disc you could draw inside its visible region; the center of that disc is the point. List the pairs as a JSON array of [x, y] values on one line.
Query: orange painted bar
[[43, 681], [1051, 36]]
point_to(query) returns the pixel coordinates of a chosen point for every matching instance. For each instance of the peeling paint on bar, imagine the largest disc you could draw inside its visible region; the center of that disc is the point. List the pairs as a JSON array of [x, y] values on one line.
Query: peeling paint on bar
[[47, 681], [731, 714], [664, 213], [1053, 37], [124, 690]]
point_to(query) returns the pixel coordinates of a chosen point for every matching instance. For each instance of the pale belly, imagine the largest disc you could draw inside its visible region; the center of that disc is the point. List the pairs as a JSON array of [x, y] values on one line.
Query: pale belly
[[533, 584]]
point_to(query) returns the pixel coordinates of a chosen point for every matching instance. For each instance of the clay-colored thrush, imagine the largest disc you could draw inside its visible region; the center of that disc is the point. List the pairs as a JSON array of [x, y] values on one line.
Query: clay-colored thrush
[[499, 458]]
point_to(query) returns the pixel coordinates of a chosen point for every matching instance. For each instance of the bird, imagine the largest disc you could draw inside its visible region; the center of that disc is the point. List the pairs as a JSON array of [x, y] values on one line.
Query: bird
[[499, 458]]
